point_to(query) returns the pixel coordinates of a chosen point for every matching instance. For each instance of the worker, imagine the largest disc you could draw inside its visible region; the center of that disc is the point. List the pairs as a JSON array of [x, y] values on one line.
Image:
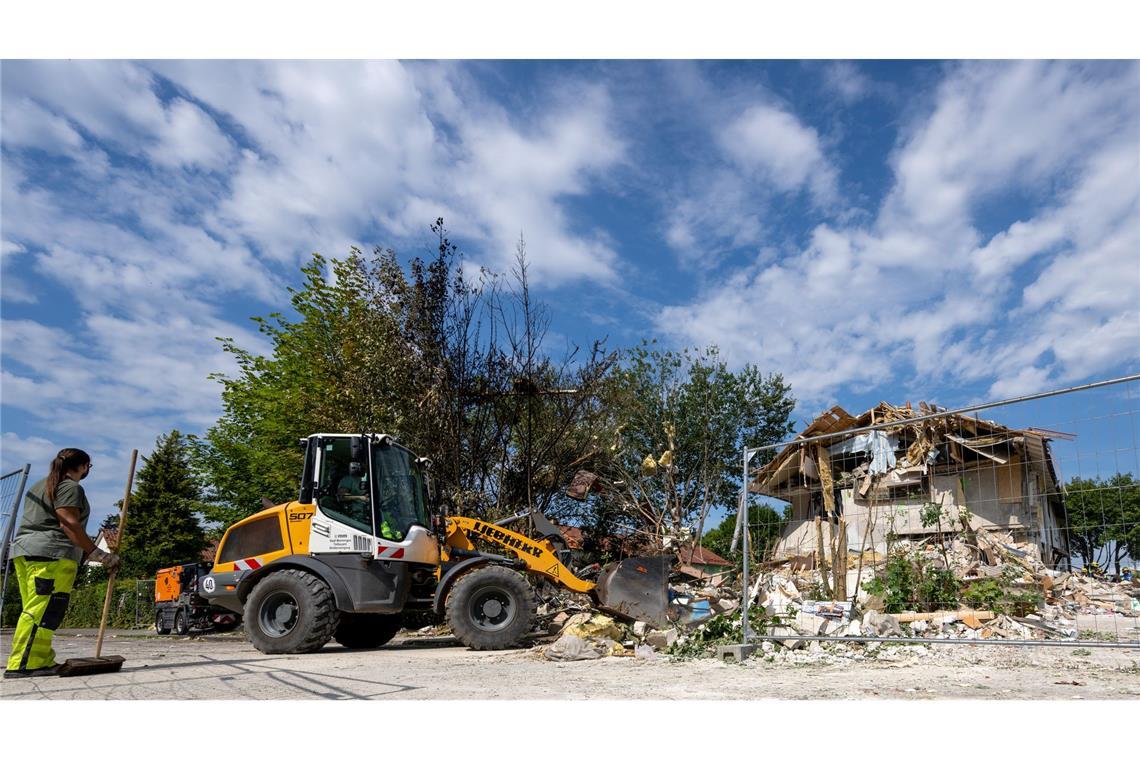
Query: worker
[[354, 488], [51, 542]]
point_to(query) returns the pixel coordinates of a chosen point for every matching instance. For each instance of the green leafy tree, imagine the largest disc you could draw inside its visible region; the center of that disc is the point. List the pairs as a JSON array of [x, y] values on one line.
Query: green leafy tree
[[337, 367], [1085, 505], [162, 525], [765, 527], [1104, 518], [1122, 512], [456, 370], [680, 420]]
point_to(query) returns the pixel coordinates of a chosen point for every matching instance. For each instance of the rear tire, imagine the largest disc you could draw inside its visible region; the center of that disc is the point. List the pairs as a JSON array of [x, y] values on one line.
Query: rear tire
[[491, 607], [290, 612], [159, 625], [181, 626], [357, 631]]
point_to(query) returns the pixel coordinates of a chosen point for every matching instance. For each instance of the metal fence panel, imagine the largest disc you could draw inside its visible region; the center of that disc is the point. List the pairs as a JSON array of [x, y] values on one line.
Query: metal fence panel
[[11, 493]]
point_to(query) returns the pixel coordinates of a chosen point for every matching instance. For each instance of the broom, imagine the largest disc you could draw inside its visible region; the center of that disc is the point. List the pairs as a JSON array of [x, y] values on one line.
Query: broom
[[89, 666]]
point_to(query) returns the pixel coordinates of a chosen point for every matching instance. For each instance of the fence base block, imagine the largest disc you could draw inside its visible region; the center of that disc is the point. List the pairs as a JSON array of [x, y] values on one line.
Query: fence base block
[[737, 652]]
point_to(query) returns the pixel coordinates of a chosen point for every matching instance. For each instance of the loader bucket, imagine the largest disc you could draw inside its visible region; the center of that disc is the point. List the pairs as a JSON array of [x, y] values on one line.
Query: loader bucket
[[636, 588]]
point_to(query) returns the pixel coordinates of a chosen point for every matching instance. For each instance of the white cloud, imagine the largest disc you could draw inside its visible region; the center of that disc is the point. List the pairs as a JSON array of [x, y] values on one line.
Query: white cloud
[[27, 125], [337, 147], [190, 138], [176, 203], [845, 79], [1002, 126], [921, 291], [780, 149]]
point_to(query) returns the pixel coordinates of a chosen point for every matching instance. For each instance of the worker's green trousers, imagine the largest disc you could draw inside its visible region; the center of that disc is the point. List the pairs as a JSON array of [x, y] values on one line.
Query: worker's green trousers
[[45, 590]]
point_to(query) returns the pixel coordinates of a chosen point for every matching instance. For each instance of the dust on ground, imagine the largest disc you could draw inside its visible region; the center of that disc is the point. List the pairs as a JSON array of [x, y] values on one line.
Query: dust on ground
[[227, 667]]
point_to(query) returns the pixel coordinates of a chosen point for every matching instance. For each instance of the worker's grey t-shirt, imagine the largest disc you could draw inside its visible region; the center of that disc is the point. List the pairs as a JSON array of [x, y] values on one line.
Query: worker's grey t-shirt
[[40, 534]]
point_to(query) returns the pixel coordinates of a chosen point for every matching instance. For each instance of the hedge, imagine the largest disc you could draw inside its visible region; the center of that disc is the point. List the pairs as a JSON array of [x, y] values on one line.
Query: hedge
[[87, 605]]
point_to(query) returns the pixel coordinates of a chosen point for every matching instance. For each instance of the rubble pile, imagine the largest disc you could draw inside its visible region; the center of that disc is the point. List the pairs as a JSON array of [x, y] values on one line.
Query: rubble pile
[[705, 613], [1032, 601], [1029, 602]]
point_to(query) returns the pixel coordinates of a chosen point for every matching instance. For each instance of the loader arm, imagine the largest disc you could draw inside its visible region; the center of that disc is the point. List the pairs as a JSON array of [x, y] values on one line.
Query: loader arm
[[538, 556]]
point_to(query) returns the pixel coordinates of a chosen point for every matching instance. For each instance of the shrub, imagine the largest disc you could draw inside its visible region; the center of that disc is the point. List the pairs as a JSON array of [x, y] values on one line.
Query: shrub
[[914, 584]]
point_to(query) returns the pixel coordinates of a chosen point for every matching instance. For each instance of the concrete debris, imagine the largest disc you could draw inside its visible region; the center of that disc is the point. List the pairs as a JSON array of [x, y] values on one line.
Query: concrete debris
[[881, 624], [645, 652], [662, 639], [571, 647]]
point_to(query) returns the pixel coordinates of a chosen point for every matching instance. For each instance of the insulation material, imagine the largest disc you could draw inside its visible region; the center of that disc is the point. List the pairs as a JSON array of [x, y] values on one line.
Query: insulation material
[[880, 445], [808, 467]]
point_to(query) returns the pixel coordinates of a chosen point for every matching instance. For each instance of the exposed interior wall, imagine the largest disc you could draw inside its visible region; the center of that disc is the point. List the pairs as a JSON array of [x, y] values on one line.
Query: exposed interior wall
[[1001, 496]]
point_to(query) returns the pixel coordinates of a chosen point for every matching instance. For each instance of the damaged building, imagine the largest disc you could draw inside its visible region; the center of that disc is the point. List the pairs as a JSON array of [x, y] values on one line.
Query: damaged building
[[881, 483]]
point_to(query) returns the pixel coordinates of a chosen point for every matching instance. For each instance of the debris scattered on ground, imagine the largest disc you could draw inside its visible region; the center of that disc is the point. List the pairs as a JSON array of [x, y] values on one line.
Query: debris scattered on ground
[[1004, 592]]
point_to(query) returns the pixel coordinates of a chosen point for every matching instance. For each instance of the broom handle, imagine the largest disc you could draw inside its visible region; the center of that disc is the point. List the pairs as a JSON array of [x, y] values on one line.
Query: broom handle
[[118, 545]]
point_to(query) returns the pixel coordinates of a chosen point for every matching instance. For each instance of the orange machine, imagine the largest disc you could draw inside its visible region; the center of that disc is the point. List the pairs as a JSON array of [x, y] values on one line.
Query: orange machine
[[178, 607]]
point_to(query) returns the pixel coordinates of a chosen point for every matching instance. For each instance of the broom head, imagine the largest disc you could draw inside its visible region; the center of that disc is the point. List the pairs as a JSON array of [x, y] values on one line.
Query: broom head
[[90, 666]]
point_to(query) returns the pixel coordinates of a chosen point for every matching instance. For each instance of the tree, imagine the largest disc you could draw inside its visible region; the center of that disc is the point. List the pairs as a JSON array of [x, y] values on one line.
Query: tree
[[455, 369], [162, 525], [765, 527], [339, 367], [1104, 519], [680, 422], [1085, 505], [1122, 515]]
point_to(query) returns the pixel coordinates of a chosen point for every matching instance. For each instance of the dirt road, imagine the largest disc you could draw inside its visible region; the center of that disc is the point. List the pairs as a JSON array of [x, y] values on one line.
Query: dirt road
[[226, 667]]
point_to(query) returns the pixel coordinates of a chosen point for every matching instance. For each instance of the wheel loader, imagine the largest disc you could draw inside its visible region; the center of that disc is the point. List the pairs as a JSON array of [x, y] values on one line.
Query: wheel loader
[[360, 546]]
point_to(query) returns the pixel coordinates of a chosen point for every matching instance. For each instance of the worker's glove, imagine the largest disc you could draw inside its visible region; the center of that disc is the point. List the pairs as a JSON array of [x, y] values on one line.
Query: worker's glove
[[109, 560]]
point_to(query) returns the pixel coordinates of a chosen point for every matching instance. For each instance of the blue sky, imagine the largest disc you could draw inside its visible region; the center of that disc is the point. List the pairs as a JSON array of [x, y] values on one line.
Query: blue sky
[[874, 230]]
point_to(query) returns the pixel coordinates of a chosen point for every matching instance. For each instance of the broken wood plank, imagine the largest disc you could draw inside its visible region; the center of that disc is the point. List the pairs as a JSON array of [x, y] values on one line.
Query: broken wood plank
[[976, 450], [945, 615]]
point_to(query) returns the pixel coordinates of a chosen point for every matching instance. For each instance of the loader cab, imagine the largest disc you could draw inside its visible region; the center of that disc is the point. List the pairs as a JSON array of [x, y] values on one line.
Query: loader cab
[[367, 482]]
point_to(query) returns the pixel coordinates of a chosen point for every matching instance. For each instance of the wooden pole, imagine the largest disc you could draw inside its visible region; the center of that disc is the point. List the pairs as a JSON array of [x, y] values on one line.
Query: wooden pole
[[118, 545], [821, 553]]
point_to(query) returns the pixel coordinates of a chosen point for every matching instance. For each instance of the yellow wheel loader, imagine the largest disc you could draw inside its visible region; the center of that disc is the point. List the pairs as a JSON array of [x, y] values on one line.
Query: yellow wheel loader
[[360, 546]]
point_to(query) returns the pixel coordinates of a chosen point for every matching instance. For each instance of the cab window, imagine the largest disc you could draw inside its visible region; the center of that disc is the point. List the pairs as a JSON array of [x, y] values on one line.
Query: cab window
[[344, 496], [400, 491]]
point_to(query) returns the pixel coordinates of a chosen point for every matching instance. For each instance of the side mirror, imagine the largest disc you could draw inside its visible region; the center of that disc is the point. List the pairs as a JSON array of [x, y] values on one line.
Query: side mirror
[[429, 483], [358, 449]]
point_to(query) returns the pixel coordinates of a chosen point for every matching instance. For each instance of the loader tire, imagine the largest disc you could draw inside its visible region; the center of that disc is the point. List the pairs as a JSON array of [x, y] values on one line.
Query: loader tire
[[491, 607], [358, 631], [290, 612]]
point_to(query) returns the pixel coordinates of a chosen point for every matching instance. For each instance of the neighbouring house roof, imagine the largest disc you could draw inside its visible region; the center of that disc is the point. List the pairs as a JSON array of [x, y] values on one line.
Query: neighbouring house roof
[[701, 556], [109, 537], [207, 554]]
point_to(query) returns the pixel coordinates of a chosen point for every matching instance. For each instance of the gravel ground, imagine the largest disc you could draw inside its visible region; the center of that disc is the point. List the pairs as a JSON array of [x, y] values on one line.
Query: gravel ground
[[227, 667]]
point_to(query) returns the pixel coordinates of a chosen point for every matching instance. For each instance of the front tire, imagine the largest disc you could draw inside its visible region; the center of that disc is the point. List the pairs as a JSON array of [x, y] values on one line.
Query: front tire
[[159, 624], [181, 626], [491, 607], [290, 612], [357, 631]]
